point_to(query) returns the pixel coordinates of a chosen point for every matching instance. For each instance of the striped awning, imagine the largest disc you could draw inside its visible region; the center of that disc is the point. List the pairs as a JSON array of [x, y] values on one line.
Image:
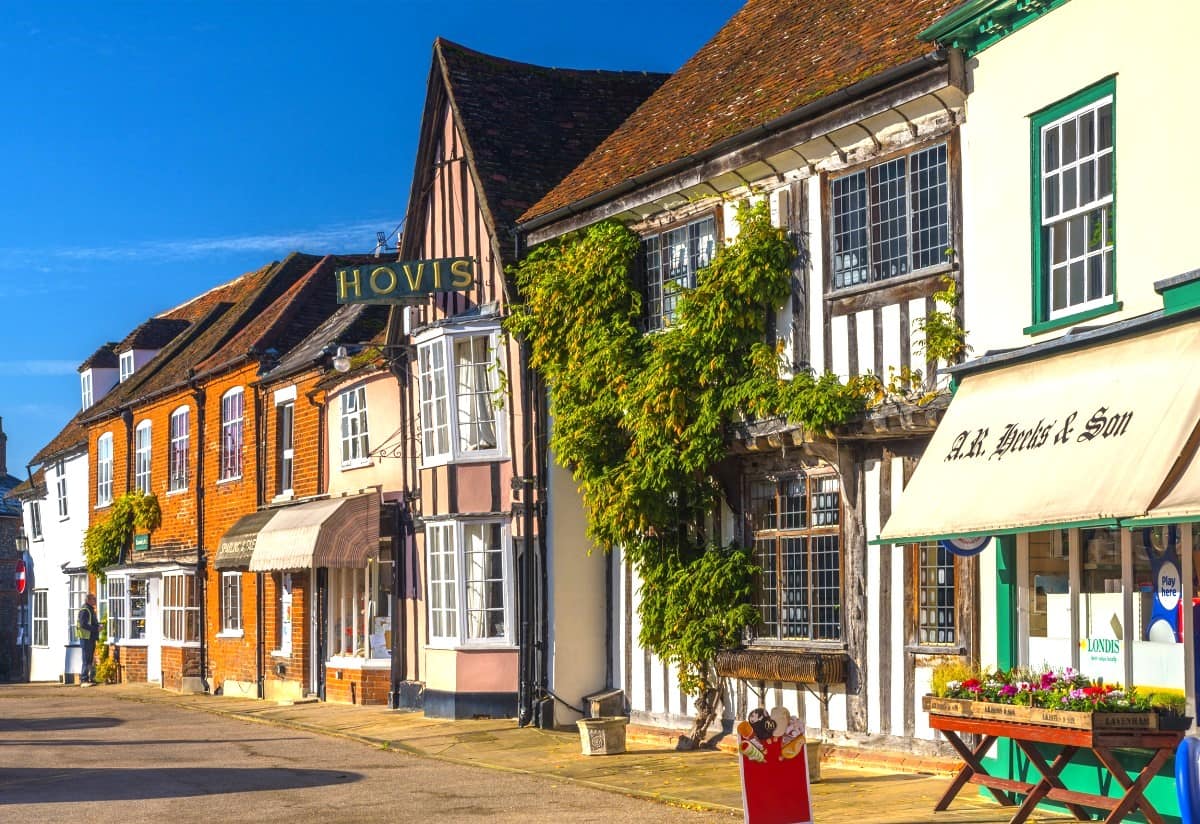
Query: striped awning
[[237, 545], [336, 532]]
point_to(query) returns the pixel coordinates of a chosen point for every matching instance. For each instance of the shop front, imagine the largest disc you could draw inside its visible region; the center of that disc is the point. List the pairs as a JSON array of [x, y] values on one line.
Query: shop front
[[328, 593], [1078, 458]]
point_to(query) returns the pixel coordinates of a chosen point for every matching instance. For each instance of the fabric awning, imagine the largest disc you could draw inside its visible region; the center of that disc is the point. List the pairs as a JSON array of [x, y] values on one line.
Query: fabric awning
[[337, 532], [237, 545], [1085, 437]]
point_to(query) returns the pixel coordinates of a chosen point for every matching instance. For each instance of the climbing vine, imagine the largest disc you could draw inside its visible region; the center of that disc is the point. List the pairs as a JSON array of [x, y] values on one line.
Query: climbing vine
[[103, 542], [642, 419]]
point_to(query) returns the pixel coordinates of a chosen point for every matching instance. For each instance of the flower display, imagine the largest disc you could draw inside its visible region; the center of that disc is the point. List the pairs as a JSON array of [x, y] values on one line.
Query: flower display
[[1063, 689]]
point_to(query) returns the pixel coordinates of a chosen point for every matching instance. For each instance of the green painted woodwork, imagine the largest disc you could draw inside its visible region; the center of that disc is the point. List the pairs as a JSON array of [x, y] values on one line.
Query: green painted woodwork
[[1039, 264], [978, 24]]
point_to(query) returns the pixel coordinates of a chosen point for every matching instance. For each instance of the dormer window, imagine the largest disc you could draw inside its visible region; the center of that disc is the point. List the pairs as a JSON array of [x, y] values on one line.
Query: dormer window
[[126, 365], [85, 388]]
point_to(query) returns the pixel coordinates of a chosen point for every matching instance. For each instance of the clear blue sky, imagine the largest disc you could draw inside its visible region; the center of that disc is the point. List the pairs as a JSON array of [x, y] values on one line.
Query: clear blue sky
[[150, 150]]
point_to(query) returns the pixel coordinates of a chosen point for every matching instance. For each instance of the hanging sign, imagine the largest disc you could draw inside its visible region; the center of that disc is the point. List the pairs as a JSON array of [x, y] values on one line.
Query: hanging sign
[[774, 765], [965, 547], [384, 282]]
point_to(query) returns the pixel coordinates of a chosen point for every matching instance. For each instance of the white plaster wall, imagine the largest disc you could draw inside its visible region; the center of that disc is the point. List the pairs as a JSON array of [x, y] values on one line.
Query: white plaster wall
[[61, 544], [577, 574], [1147, 45]]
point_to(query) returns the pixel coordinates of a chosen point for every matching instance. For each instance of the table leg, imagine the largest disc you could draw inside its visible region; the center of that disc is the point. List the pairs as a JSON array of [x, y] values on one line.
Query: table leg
[[1050, 780], [1134, 789], [971, 766]]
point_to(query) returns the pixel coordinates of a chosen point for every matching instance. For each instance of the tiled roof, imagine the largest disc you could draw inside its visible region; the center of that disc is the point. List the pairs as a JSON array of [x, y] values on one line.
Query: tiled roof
[[72, 436], [223, 312], [527, 126], [103, 358], [153, 334], [771, 58], [304, 306]]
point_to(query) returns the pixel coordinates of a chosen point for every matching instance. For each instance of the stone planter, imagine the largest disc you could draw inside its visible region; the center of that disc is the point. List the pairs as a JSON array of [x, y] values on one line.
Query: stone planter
[[602, 736], [986, 710]]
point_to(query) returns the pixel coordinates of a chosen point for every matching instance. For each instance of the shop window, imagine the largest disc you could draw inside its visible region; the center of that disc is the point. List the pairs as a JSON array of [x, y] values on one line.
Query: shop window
[[231, 434], [177, 469], [458, 383], [76, 596], [115, 601], [355, 446], [1074, 208], [360, 610], [469, 582], [891, 218], [670, 261], [796, 524], [231, 602], [936, 616], [141, 457], [180, 608], [104, 469], [41, 619]]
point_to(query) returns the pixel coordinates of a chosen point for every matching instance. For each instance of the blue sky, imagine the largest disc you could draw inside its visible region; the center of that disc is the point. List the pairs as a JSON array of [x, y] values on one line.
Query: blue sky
[[151, 150]]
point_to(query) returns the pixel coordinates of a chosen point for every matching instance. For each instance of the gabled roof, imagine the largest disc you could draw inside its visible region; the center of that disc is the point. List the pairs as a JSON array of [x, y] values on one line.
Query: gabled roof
[[524, 127], [225, 312], [772, 58], [303, 306], [103, 358]]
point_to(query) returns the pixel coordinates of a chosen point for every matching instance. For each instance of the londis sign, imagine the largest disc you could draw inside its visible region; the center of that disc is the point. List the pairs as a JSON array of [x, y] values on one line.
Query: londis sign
[[395, 282]]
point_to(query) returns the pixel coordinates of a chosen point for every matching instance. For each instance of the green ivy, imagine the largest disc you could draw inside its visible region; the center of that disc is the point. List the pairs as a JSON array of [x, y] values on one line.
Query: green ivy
[[104, 541], [642, 419]]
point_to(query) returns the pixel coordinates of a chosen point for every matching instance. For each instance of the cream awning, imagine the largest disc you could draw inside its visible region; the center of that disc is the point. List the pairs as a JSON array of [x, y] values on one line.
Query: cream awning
[[237, 545], [337, 532], [1083, 437]]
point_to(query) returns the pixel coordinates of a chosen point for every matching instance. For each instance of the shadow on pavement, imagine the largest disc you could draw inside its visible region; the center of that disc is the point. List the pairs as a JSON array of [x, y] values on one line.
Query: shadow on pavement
[[57, 786], [78, 722]]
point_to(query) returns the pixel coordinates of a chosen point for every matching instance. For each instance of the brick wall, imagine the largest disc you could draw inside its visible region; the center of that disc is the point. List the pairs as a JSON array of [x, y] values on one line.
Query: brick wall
[[357, 686]]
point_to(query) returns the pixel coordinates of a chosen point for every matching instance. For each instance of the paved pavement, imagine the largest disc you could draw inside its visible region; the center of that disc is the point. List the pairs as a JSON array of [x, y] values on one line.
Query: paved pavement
[[651, 768]]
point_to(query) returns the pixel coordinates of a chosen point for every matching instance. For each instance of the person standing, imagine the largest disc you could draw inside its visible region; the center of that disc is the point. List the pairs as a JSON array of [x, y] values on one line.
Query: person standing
[[87, 627]]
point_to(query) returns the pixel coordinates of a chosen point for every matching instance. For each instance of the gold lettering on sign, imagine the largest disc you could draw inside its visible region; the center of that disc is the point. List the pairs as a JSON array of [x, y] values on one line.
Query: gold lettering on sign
[[376, 288], [344, 283], [460, 271], [414, 285]]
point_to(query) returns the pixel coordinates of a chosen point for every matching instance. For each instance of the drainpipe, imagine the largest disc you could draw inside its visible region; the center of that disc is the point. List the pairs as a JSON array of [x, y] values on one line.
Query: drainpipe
[[198, 396]]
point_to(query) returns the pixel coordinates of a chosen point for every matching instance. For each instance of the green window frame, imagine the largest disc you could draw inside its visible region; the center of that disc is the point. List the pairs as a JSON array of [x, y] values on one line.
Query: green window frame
[[1073, 208]]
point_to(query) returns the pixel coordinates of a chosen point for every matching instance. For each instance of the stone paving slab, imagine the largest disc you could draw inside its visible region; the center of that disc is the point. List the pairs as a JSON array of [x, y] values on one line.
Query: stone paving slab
[[650, 769]]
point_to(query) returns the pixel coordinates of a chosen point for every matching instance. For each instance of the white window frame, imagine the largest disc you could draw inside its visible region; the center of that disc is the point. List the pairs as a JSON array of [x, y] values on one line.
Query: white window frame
[[446, 419], [77, 590], [231, 604], [104, 470], [142, 443], [285, 478], [232, 434], [85, 388], [670, 261], [60, 489], [1062, 219], [449, 604], [35, 520], [356, 448], [126, 365], [179, 442], [39, 634], [117, 613], [180, 609]]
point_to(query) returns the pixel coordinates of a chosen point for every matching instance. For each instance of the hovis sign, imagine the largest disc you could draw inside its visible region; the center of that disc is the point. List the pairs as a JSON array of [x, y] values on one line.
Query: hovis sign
[[396, 282]]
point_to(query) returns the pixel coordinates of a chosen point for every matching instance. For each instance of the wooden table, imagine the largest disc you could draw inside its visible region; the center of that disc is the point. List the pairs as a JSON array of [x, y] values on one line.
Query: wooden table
[[1161, 744]]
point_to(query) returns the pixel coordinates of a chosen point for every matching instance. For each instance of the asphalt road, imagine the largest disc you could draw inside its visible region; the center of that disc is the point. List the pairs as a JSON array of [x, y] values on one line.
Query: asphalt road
[[74, 755]]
